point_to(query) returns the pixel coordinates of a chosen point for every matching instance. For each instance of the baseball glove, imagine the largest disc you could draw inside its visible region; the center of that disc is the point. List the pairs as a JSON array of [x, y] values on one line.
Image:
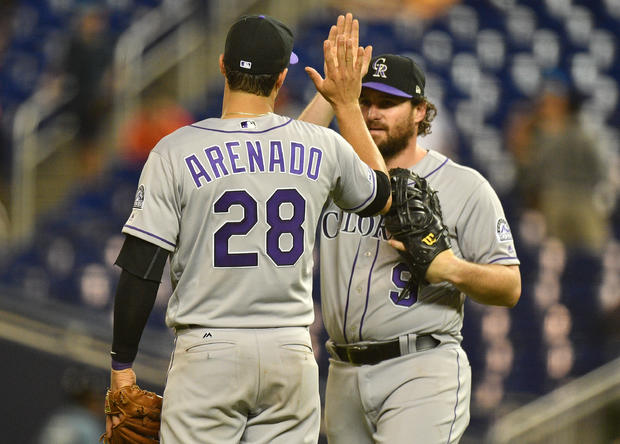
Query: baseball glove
[[415, 220], [140, 412]]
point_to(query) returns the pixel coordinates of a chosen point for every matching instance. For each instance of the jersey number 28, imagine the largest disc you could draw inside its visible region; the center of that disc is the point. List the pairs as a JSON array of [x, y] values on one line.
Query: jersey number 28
[[278, 227]]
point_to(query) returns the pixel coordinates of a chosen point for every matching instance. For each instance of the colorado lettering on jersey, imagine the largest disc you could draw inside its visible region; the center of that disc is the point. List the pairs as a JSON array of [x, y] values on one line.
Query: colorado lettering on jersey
[[333, 222], [247, 156]]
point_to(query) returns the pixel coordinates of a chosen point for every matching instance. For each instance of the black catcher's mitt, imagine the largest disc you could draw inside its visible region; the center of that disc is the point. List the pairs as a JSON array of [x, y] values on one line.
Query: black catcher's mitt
[[415, 219]]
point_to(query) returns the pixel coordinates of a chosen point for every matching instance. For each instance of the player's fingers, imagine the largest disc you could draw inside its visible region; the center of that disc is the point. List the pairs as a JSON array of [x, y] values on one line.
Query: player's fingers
[[397, 244], [330, 59], [341, 51], [333, 32], [108, 426], [355, 32], [348, 24], [315, 77], [116, 420], [340, 25], [358, 65], [350, 55], [366, 59]]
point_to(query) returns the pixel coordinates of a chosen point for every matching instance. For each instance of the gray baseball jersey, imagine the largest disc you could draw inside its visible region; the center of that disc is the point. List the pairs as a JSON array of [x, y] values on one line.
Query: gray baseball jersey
[[360, 300], [245, 195]]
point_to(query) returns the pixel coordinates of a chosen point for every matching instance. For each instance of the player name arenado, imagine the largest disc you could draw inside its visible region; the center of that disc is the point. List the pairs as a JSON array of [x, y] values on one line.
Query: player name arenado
[[246, 156]]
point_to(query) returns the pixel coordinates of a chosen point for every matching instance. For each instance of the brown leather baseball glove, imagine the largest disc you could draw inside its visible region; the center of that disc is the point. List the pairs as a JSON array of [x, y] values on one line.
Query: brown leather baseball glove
[[139, 412]]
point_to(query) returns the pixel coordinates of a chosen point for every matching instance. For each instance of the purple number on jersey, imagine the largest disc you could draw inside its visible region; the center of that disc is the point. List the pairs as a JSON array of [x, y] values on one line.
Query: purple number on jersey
[[397, 279], [281, 226], [278, 226], [223, 258]]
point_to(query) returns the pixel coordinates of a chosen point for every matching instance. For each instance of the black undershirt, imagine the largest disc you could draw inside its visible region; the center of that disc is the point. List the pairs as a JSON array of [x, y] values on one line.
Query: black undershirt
[[143, 265]]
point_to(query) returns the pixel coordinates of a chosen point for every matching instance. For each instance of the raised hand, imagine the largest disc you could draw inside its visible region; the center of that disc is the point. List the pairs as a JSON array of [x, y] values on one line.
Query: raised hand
[[345, 65]]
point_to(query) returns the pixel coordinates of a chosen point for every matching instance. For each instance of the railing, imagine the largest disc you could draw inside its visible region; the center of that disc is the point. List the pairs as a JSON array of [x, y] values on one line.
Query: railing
[[571, 414], [28, 153], [183, 35]]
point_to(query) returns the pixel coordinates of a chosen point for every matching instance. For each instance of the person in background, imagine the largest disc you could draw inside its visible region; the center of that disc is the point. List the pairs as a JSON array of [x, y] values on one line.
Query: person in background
[[78, 420], [88, 78], [561, 167]]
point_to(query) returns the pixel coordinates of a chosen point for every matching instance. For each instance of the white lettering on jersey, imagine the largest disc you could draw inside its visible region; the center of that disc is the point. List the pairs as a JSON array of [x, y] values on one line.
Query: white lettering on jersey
[[338, 221], [241, 157]]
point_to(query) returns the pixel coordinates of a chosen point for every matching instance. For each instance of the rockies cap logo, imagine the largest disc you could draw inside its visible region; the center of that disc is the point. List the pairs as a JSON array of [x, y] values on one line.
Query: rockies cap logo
[[380, 68]]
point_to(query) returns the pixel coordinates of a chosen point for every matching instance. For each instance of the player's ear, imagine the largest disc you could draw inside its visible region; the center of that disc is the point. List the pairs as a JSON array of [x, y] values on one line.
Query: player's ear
[[419, 112], [222, 68], [281, 78]]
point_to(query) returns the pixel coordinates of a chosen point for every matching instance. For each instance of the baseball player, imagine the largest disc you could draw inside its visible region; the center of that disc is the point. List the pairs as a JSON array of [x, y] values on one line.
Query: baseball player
[[235, 202], [397, 372]]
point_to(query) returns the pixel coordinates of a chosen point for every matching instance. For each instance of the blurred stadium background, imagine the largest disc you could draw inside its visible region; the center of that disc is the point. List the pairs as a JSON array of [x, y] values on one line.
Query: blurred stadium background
[[87, 88]]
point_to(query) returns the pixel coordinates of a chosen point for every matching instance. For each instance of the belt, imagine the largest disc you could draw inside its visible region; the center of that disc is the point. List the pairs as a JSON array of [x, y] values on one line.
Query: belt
[[375, 352]]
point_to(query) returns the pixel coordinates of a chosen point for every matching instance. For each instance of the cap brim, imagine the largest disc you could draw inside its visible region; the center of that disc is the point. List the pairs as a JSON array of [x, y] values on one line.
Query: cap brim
[[386, 89], [294, 59]]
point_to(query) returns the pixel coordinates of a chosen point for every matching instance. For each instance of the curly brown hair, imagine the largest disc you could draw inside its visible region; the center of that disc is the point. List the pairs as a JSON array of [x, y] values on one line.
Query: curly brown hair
[[424, 126]]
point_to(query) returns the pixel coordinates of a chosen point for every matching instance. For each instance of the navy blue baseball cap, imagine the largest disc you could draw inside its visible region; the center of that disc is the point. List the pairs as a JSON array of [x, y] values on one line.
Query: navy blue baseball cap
[[259, 44], [396, 75]]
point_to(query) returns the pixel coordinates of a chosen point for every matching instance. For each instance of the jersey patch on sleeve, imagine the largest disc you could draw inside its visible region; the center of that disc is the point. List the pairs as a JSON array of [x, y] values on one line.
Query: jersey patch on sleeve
[[138, 203], [503, 230]]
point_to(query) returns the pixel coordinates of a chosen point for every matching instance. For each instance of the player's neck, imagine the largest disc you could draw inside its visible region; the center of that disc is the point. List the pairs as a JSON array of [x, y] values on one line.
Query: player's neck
[[407, 157], [241, 104]]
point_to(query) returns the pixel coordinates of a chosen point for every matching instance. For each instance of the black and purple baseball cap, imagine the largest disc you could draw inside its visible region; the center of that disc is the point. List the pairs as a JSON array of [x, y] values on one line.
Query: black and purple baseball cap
[[259, 44], [396, 75]]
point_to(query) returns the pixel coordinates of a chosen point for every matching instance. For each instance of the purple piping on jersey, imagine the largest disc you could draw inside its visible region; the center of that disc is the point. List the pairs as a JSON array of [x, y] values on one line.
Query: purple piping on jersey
[[372, 195], [346, 307], [368, 290], [503, 258], [243, 132], [458, 387], [150, 234], [435, 170]]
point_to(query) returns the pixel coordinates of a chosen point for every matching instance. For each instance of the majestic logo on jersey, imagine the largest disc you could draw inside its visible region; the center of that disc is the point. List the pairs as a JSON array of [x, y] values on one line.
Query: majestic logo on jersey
[[429, 239], [503, 230], [380, 68], [139, 200], [245, 64]]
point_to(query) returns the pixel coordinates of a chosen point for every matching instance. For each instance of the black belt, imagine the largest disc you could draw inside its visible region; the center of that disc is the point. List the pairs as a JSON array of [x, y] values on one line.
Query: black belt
[[373, 353]]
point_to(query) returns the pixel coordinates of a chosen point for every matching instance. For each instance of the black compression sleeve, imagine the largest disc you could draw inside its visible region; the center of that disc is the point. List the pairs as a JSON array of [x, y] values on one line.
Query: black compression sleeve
[[142, 258], [132, 306], [381, 198]]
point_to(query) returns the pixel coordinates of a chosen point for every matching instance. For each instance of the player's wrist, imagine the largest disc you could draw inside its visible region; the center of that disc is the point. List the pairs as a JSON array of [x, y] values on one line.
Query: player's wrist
[[445, 267], [345, 108], [122, 378], [117, 365]]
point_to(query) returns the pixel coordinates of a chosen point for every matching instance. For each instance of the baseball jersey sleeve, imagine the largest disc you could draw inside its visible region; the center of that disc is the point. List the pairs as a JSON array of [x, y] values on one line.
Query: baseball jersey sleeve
[[356, 186], [483, 231], [155, 214]]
